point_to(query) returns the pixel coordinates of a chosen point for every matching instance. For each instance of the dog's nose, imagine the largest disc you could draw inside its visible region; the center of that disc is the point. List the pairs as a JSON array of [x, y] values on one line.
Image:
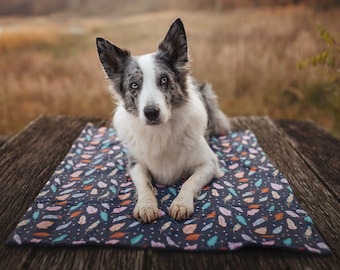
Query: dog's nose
[[151, 112]]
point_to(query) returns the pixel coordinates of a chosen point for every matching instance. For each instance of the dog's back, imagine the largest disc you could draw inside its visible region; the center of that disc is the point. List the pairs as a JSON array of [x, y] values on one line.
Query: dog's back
[[218, 123]]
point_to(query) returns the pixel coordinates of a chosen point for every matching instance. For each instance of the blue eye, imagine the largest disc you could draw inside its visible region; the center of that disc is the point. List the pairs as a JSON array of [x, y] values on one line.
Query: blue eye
[[164, 80], [134, 85]]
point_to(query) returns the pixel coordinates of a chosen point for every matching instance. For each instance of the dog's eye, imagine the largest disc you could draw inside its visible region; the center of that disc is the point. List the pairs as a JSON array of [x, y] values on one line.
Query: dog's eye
[[164, 80], [134, 85]]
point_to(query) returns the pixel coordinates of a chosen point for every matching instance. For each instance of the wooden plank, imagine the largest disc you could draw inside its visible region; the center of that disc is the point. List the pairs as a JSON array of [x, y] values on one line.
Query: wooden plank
[[3, 139], [27, 161], [318, 201], [319, 149], [87, 257], [250, 258]]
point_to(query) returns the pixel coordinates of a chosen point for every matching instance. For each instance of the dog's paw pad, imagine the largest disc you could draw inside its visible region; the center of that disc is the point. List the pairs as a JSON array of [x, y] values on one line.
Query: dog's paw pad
[[146, 211], [181, 209]]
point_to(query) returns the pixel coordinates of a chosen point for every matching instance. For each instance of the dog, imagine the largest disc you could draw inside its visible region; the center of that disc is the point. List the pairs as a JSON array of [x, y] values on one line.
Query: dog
[[164, 117]]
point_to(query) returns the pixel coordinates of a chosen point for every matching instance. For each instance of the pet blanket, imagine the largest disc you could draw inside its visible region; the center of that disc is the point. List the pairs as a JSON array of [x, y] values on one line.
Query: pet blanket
[[90, 199]]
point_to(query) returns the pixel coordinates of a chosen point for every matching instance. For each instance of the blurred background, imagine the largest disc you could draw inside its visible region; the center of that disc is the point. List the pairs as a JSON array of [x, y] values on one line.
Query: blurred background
[[264, 57]]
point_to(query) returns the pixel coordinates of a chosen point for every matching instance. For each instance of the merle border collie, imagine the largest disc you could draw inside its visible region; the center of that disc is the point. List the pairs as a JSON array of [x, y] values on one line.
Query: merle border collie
[[164, 117]]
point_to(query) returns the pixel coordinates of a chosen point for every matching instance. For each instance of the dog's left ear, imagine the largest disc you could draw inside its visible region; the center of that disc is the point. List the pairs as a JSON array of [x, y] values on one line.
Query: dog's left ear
[[174, 46], [112, 57]]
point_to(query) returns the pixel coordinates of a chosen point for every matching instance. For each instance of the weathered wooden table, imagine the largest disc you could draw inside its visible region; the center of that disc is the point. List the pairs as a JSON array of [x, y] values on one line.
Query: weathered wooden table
[[308, 156]]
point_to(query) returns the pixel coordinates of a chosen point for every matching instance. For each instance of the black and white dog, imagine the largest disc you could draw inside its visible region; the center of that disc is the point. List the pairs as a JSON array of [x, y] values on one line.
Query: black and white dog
[[163, 116]]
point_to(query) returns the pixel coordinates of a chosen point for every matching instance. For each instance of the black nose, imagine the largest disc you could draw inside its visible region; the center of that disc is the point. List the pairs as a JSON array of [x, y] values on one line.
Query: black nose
[[151, 112]]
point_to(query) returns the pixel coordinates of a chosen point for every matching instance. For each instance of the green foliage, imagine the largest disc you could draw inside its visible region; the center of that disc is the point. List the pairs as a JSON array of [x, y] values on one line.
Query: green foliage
[[326, 94], [327, 58]]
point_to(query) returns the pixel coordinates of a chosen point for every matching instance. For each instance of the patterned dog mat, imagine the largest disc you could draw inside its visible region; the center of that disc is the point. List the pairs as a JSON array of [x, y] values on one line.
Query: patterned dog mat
[[90, 199]]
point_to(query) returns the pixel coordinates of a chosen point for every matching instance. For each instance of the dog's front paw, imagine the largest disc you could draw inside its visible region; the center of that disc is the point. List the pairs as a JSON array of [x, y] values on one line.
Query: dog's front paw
[[181, 208], [146, 210]]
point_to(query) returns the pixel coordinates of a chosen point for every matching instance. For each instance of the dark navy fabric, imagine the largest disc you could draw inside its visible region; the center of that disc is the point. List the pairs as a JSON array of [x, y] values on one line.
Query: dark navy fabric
[[90, 199]]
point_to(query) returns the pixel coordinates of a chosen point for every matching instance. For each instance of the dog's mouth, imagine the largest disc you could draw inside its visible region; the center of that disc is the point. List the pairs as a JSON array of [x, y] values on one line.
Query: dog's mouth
[[153, 122]]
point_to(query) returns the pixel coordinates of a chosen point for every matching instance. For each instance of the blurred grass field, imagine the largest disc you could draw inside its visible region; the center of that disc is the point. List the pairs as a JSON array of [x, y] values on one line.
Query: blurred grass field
[[49, 64]]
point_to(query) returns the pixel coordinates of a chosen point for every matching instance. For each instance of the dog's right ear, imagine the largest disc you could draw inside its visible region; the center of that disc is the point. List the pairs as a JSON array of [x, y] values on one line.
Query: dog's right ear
[[174, 47], [111, 57]]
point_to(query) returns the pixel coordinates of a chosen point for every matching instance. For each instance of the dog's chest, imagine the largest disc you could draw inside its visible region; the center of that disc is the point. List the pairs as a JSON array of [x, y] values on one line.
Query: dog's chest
[[164, 158], [167, 157]]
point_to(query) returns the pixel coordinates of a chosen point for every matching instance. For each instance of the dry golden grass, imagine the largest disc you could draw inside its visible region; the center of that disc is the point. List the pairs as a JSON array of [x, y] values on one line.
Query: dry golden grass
[[49, 65]]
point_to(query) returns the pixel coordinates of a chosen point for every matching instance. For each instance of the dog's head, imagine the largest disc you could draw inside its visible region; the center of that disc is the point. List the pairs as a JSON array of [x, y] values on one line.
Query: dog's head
[[150, 85]]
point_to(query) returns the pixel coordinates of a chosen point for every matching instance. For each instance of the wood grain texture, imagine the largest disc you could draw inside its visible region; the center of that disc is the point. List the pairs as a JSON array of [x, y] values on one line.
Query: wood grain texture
[[250, 258], [27, 161], [3, 139], [30, 158], [319, 149], [87, 257]]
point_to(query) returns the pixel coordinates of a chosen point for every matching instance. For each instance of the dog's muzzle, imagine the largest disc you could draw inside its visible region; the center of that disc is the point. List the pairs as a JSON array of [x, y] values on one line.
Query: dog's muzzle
[[152, 114]]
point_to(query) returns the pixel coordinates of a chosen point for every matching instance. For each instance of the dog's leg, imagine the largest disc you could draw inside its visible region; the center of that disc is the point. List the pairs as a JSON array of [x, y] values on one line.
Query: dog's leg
[[183, 205], [146, 209]]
